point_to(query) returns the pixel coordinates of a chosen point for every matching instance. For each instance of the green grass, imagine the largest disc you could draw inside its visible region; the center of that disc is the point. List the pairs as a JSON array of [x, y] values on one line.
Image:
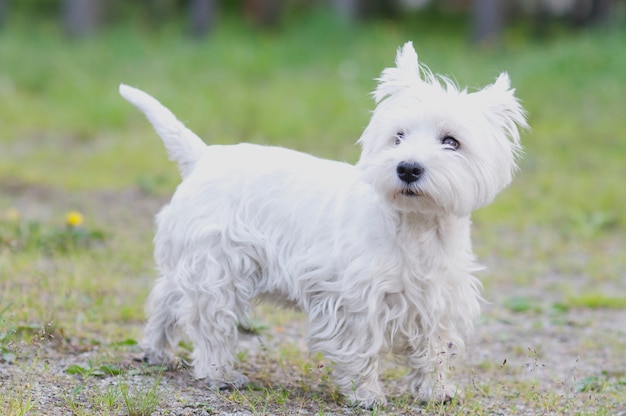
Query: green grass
[[553, 241], [597, 300], [309, 92], [132, 398]]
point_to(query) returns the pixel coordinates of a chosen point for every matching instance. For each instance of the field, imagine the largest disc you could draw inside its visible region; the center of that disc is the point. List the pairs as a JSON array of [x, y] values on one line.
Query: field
[[82, 175]]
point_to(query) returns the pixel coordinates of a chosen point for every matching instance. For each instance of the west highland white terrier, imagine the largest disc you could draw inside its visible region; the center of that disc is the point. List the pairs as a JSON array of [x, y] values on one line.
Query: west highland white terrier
[[377, 254]]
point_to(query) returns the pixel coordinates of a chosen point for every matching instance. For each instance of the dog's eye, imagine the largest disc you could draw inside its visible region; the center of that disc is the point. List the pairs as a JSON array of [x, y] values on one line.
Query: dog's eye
[[399, 136], [450, 143]]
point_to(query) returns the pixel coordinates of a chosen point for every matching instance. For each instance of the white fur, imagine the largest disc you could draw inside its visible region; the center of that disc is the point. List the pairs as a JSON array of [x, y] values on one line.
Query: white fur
[[381, 267]]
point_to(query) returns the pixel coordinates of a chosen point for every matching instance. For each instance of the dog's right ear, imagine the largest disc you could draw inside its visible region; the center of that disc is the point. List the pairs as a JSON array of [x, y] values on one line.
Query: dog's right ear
[[406, 73]]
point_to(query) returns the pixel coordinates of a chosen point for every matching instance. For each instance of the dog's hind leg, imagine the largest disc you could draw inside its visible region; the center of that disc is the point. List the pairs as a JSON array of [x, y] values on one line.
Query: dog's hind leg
[[210, 315], [162, 333]]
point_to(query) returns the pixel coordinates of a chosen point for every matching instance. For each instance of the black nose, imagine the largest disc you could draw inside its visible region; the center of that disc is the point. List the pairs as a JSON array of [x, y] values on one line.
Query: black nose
[[409, 171]]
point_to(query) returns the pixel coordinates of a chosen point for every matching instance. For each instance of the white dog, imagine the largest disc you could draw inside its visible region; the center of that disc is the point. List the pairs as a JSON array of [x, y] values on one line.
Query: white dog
[[378, 255]]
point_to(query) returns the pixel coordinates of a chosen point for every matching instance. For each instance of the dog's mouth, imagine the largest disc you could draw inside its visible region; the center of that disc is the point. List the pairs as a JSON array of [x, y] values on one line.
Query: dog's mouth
[[411, 192]]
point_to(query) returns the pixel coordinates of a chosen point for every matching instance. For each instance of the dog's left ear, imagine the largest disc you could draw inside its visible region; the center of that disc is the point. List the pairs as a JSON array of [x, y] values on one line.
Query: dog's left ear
[[501, 108], [407, 72], [406, 58]]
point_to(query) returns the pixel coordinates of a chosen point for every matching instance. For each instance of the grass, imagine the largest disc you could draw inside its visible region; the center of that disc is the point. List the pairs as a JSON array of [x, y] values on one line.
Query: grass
[[597, 300], [71, 296], [132, 398], [210, 85]]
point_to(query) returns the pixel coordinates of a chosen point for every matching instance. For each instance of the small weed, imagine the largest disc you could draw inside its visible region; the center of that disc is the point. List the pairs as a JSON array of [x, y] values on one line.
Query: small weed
[[535, 364], [74, 403], [13, 333], [18, 402], [7, 335], [592, 383], [143, 400], [94, 371], [108, 400], [605, 381]]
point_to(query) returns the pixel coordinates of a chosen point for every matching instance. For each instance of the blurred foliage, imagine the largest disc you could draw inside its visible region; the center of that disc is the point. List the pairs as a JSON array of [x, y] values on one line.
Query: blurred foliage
[[146, 11], [63, 124], [543, 15]]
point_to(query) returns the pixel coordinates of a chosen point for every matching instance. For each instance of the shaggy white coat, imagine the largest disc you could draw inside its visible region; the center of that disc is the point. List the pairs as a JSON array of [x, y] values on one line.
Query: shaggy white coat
[[380, 266]]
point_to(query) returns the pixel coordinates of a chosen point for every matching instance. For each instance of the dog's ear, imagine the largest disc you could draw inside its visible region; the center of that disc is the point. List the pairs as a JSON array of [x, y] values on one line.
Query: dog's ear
[[407, 72], [406, 58], [501, 108]]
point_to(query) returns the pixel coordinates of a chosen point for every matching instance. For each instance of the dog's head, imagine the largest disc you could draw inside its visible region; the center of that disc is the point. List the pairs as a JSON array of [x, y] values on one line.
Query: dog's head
[[431, 146]]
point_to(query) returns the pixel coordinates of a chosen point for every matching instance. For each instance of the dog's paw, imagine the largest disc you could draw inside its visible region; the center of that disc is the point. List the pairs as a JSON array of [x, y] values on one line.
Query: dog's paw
[[429, 392], [161, 359], [234, 381], [370, 403], [367, 398]]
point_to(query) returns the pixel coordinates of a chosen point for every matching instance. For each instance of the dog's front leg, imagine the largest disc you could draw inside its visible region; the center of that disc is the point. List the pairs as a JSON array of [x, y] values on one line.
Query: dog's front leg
[[351, 342], [358, 379], [428, 379]]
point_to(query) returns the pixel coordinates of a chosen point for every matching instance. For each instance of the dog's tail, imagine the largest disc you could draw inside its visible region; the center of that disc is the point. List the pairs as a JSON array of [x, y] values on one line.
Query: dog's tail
[[183, 146]]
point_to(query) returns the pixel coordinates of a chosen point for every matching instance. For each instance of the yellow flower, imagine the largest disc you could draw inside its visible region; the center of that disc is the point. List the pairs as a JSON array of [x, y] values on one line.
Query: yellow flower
[[74, 219], [12, 215]]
